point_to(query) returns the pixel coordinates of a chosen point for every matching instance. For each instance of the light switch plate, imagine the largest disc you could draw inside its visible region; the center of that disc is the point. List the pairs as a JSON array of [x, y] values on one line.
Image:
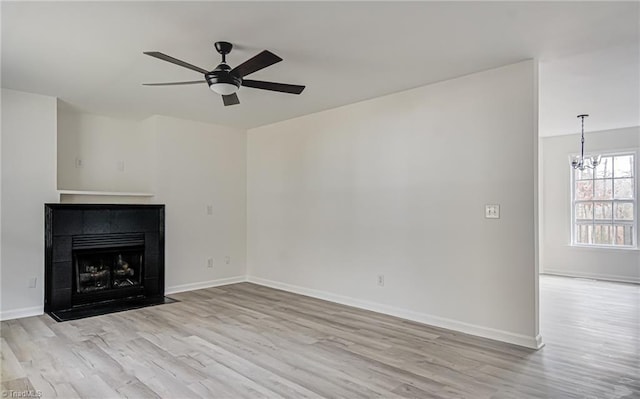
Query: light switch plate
[[492, 211]]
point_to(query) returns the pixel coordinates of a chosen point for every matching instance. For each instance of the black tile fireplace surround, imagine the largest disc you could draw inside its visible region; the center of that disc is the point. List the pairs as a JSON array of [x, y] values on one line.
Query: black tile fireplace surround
[[101, 258]]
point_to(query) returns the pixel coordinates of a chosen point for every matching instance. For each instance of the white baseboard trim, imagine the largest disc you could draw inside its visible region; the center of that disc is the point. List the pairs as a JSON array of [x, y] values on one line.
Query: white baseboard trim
[[449, 324], [204, 284], [20, 313], [594, 276]]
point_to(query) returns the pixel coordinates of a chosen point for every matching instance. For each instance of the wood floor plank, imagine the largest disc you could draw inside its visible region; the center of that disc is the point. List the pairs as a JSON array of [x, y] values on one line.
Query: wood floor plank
[[250, 341], [93, 386], [11, 368]]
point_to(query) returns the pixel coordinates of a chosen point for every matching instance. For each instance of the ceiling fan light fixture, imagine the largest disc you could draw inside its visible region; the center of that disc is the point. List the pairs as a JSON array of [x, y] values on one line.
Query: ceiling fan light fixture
[[224, 89]]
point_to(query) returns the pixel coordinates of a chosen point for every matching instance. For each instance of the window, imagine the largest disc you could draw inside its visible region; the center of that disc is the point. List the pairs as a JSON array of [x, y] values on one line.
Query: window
[[604, 203]]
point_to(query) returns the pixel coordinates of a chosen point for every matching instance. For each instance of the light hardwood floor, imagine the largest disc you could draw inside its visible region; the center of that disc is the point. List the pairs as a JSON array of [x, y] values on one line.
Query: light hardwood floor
[[248, 341]]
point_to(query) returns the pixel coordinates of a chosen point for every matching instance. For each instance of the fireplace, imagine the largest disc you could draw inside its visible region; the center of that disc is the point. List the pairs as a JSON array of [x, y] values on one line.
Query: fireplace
[[101, 258]]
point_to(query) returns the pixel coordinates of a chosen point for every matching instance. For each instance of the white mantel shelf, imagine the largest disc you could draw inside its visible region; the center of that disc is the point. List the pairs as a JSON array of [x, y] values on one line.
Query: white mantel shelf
[[105, 193]]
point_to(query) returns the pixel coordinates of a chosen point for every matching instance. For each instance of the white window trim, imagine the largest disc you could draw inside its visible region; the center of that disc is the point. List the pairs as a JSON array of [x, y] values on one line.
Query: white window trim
[[635, 224]]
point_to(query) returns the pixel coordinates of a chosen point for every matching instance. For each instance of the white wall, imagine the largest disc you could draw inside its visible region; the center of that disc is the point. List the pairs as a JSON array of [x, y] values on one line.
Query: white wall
[[101, 143], [196, 165], [28, 182], [397, 186], [558, 256], [188, 165]]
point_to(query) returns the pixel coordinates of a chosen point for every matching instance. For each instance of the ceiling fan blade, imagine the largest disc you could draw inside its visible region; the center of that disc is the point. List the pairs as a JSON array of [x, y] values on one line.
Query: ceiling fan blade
[[258, 62], [191, 82], [176, 61], [281, 87], [231, 99]]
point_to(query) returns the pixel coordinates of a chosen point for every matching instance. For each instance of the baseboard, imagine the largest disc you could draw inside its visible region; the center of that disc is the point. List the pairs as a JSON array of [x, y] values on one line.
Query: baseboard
[[436, 321], [204, 284], [594, 276], [20, 313]]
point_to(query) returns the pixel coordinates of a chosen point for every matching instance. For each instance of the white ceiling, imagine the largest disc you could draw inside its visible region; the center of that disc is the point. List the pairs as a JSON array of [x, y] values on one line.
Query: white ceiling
[[89, 54], [604, 84]]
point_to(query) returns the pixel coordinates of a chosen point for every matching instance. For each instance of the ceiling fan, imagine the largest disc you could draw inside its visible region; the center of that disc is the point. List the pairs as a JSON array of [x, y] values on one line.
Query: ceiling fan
[[226, 81]]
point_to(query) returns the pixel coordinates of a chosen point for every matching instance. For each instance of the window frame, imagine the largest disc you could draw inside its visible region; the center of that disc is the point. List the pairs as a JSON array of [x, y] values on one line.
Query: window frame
[[636, 213]]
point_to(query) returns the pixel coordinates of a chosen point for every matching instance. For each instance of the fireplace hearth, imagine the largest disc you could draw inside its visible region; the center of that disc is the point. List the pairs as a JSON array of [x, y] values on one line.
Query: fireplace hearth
[[101, 258]]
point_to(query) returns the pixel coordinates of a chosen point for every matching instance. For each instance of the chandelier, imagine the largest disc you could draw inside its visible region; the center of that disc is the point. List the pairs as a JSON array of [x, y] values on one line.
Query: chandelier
[[580, 162]]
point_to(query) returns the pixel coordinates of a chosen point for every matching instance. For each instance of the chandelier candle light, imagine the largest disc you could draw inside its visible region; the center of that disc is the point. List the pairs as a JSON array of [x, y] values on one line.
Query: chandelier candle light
[[580, 162]]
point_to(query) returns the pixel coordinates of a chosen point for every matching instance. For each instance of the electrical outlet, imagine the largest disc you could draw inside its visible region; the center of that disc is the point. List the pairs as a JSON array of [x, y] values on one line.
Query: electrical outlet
[[381, 280], [79, 163], [492, 211], [209, 209], [210, 263], [32, 282], [227, 259], [120, 166]]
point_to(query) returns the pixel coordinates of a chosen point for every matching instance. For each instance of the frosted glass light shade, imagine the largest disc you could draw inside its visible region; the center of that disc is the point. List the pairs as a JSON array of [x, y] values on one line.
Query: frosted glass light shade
[[223, 89]]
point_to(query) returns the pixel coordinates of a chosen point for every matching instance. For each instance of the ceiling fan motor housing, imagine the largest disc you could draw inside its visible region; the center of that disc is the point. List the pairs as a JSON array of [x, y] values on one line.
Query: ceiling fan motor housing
[[222, 75]]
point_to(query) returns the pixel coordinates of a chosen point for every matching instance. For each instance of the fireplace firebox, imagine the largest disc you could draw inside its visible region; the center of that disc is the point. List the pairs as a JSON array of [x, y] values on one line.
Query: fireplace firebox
[[105, 270], [101, 258]]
